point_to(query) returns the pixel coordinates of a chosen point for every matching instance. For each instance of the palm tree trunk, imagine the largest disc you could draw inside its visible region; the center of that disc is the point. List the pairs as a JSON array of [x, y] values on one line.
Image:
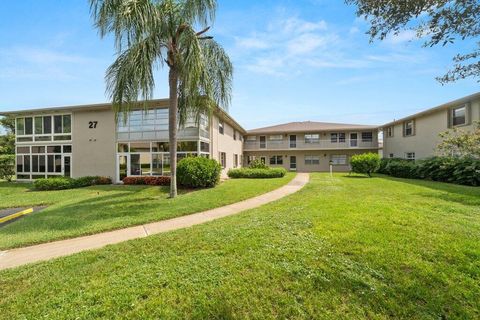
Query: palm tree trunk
[[172, 128]]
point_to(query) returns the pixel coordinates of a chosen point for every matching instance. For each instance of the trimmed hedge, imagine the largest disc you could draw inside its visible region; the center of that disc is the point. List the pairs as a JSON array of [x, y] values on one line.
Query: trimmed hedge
[[365, 163], [257, 164], [459, 170], [62, 183], [150, 181], [198, 172], [250, 173], [7, 167]]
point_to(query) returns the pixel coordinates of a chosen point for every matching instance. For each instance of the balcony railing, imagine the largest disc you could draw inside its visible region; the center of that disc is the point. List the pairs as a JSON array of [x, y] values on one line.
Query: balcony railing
[[301, 145]]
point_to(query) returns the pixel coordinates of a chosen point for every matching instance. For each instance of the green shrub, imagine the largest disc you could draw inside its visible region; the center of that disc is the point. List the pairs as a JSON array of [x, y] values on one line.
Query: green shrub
[[365, 163], [7, 167], [61, 183], [250, 173], [149, 180], [198, 172], [257, 164], [459, 170], [402, 169]]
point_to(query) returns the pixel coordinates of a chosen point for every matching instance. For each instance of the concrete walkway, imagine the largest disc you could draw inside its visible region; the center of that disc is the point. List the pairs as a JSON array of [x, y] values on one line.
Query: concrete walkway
[[17, 257]]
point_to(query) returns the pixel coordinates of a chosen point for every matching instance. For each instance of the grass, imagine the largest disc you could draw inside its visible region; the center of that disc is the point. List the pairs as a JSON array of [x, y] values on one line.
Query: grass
[[91, 210], [341, 248]]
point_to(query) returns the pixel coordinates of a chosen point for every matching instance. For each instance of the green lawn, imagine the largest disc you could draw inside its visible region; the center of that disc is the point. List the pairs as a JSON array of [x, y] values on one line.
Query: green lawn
[[341, 248], [90, 210]]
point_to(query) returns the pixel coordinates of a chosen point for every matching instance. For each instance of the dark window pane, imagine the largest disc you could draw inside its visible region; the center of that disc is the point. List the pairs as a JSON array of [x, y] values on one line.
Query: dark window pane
[[67, 124], [54, 149], [26, 163], [41, 164], [28, 125], [57, 124], [50, 163], [19, 163], [187, 146], [21, 150], [58, 163], [67, 149], [20, 126], [38, 149], [38, 125], [34, 163], [47, 125]]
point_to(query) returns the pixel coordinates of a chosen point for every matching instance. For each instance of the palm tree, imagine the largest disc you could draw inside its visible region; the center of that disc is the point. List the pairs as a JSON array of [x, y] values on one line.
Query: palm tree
[[151, 33]]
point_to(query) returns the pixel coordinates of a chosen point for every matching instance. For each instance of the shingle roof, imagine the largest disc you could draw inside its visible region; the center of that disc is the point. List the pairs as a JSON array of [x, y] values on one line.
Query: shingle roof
[[309, 126]]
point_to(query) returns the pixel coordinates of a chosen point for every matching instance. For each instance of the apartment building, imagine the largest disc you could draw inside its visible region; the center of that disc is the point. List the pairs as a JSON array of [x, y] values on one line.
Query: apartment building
[[417, 136], [84, 140], [310, 146]]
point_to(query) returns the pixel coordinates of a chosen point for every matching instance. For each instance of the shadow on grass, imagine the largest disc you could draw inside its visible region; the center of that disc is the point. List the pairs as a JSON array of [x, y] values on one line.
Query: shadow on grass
[[466, 195]]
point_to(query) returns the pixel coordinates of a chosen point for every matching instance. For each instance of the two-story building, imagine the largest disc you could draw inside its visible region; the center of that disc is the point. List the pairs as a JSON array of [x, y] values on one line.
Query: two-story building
[[86, 140], [310, 146], [417, 136]]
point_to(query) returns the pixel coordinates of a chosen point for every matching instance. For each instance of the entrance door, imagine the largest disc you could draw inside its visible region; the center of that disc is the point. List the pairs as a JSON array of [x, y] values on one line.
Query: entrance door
[[293, 141], [293, 163], [353, 139], [122, 167], [67, 166]]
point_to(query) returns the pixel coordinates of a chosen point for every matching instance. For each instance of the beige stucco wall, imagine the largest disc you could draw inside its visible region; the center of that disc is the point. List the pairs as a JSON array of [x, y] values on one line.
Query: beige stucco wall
[[225, 143], [325, 157], [93, 151], [426, 138]]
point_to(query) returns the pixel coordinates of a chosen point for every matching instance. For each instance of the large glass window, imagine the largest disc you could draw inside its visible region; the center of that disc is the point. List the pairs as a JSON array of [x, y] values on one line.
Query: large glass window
[[339, 159], [20, 126], [459, 116], [408, 128], [28, 126], [367, 136], [276, 160], [312, 138], [312, 160]]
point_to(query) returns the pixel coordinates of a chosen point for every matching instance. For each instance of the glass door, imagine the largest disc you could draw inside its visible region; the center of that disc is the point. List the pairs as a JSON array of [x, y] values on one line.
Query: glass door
[[293, 141], [353, 139], [293, 163], [67, 166], [122, 167]]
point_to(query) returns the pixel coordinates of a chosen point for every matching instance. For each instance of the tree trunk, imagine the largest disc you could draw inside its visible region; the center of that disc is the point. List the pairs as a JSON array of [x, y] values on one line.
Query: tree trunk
[[172, 128]]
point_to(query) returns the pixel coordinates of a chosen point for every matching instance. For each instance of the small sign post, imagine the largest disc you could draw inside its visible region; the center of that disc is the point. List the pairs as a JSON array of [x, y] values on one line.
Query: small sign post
[[331, 168]]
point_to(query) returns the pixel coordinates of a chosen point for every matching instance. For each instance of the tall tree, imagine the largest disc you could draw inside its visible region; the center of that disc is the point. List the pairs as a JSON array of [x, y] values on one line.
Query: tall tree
[[437, 21], [7, 140], [151, 33]]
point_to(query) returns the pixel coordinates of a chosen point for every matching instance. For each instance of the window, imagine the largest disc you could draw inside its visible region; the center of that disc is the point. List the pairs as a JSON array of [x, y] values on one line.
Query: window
[[221, 126], [20, 126], [251, 138], [312, 138], [341, 137], [459, 116], [367, 136], [408, 128], [391, 155], [28, 126], [235, 160], [276, 160], [234, 134], [311, 160], [250, 159], [410, 156], [223, 159], [390, 131], [333, 137], [277, 137], [339, 159], [204, 146]]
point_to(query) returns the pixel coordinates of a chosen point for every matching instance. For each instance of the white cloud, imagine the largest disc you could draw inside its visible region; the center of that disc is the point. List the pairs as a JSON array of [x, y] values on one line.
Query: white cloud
[[251, 43], [299, 26], [401, 37]]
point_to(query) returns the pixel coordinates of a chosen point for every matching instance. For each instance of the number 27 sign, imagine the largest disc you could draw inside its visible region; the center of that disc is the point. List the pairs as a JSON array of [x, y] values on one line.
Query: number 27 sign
[[92, 124]]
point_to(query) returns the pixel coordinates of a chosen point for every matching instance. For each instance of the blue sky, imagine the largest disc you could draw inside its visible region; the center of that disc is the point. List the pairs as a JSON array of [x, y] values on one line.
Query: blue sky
[[294, 61]]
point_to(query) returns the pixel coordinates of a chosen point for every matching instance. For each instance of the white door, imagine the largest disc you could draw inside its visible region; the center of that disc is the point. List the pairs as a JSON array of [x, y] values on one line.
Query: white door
[[353, 139]]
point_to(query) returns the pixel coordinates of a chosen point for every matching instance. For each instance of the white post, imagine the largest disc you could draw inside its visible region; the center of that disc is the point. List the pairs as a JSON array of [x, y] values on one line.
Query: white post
[[331, 170]]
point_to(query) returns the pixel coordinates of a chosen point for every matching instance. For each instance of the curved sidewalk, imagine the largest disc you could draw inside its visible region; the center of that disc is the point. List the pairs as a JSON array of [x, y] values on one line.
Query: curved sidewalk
[[17, 257]]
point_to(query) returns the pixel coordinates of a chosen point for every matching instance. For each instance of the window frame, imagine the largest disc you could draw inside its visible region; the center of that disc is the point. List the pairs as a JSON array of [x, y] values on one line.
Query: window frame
[[311, 160], [465, 115], [336, 157], [405, 123], [221, 126], [277, 160], [309, 138], [409, 157]]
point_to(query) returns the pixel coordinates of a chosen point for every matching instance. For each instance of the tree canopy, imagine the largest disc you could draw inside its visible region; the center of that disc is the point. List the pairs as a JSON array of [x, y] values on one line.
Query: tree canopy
[[438, 22]]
